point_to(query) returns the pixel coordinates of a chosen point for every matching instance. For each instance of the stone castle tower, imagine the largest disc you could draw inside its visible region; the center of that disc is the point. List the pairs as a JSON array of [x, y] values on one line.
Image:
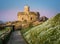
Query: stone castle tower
[[26, 9], [27, 15]]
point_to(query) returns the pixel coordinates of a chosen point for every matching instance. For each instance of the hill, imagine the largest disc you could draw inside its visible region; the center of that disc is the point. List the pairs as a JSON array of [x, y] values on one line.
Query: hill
[[46, 33]]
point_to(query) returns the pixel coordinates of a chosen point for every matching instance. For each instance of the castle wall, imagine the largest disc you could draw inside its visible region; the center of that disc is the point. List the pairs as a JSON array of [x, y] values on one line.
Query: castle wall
[[27, 18]]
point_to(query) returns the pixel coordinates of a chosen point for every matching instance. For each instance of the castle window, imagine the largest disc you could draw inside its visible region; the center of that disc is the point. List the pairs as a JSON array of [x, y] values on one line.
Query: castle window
[[31, 18], [22, 18]]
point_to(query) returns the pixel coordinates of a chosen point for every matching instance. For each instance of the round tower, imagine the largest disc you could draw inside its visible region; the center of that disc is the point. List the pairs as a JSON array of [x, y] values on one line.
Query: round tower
[[26, 9]]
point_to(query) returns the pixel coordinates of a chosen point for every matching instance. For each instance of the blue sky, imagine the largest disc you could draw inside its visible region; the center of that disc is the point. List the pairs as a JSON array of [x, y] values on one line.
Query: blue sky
[[10, 8]]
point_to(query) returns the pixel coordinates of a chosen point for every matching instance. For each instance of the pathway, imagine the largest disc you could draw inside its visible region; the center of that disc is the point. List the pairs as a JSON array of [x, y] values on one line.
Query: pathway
[[16, 38]]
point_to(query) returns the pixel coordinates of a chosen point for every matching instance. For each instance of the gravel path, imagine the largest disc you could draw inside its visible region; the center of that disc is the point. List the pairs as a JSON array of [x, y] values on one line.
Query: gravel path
[[16, 38]]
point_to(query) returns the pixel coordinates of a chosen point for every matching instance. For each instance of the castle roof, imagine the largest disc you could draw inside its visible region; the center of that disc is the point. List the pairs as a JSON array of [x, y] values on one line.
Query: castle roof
[[30, 13]]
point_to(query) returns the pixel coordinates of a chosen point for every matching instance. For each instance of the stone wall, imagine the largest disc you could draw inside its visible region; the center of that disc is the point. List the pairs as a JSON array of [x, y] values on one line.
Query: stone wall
[[27, 17]]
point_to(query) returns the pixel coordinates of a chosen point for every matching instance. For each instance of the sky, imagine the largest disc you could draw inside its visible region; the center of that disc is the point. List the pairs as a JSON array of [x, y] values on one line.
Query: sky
[[10, 8]]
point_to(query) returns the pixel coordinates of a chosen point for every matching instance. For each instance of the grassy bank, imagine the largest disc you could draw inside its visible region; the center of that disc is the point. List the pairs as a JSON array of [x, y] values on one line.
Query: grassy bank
[[46, 33]]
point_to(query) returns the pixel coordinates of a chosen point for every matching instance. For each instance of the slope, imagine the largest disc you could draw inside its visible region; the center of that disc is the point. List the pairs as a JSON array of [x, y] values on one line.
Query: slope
[[47, 33]]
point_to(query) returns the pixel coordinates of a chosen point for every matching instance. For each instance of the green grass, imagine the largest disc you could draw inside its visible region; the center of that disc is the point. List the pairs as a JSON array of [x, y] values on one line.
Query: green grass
[[4, 34], [46, 33], [4, 30]]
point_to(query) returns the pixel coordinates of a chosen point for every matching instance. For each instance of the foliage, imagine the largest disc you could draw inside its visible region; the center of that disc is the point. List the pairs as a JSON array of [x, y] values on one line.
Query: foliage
[[4, 34], [46, 33]]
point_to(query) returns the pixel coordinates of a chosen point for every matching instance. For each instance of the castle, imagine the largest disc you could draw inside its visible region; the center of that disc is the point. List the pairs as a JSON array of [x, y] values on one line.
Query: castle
[[27, 18], [27, 15]]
